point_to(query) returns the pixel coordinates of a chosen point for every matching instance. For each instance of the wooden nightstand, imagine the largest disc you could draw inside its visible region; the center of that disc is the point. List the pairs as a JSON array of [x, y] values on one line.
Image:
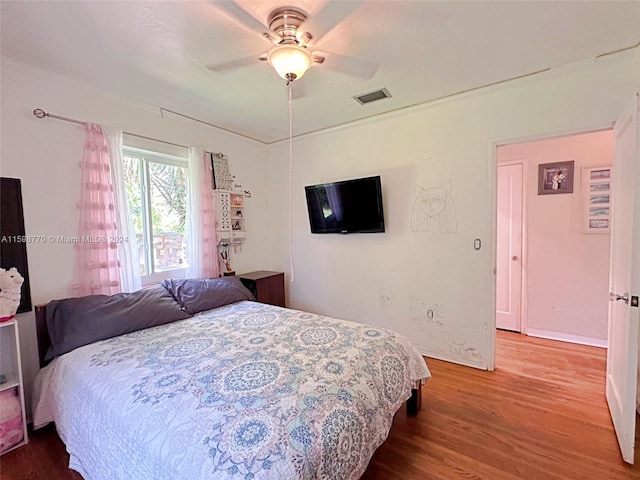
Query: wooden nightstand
[[266, 286]]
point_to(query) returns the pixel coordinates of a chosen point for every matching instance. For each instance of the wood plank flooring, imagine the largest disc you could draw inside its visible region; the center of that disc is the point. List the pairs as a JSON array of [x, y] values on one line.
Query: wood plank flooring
[[541, 415]]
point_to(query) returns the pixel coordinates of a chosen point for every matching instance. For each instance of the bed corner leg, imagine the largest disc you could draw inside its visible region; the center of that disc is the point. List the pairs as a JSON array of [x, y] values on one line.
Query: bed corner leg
[[414, 404]]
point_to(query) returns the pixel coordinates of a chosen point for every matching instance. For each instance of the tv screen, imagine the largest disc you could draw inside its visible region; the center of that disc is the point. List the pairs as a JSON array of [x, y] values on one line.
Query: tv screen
[[351, 206]]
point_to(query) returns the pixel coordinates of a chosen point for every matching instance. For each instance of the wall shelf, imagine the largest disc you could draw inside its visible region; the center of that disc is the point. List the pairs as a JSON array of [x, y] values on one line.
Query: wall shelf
[[231, 217]]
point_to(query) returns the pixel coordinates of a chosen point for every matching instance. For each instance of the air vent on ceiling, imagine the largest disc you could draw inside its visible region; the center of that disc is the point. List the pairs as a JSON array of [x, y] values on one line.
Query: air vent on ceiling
[[373, 96]]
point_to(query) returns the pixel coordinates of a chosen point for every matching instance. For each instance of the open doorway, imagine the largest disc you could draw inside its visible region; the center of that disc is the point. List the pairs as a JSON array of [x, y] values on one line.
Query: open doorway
[[552, 269]]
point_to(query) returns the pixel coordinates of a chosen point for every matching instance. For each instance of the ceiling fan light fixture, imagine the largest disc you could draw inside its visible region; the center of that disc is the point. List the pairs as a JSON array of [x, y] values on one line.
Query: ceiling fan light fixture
[[290, 61]]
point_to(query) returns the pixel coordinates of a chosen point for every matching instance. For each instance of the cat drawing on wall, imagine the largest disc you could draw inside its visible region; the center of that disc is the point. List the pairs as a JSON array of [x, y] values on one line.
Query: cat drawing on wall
[[434, 210]]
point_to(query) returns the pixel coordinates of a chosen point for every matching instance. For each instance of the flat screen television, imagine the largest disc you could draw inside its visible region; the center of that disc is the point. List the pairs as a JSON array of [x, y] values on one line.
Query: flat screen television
[[350, 206]]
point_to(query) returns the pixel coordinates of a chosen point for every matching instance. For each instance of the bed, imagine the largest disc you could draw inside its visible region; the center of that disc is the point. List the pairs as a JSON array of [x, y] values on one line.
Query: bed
[[243, 390]]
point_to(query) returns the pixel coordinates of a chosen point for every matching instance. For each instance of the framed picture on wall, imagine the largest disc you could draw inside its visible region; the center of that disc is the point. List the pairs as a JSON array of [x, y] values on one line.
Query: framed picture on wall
[[596, 199], [14, 253], [554, 178], [222, 179]]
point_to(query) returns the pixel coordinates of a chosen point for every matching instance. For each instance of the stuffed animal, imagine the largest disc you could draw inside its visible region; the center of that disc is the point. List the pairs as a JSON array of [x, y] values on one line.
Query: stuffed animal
[[10, 285], [11, 426]]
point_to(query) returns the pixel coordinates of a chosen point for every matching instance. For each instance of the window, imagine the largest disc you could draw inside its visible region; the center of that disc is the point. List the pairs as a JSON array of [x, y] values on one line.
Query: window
[[157, 193]]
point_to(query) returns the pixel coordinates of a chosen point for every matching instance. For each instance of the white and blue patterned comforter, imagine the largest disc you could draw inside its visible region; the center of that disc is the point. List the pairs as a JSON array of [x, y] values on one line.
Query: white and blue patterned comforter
[[245, 391]]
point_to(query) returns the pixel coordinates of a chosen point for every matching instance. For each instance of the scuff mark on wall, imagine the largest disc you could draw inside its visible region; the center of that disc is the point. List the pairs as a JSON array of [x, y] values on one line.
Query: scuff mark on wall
[[434, 314], [385, 298]]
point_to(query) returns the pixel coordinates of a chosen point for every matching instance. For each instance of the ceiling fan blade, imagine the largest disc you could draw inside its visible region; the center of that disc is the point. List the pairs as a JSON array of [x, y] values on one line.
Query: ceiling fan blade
[[244, 18], [353, 66], [236, 64], [326, 19]]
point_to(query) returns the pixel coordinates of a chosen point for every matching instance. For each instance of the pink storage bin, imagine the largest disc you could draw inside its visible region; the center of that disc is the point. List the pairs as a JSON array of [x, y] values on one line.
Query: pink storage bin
[[11, 426]]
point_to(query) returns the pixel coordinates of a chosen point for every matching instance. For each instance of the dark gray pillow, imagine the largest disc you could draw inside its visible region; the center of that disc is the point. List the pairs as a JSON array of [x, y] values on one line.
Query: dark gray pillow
[[200, 294], [74, 322]]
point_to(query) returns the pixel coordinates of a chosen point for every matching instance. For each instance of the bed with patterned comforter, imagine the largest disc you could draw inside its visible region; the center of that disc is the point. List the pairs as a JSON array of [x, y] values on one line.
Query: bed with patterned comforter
[[244, 391]]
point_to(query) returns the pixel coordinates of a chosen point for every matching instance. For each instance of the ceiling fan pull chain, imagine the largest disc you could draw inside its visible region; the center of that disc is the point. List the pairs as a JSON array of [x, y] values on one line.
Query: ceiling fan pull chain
[[290, 181]]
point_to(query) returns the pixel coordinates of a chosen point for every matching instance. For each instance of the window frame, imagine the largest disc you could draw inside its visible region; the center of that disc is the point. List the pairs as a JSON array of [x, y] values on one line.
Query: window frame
[[145, 157]]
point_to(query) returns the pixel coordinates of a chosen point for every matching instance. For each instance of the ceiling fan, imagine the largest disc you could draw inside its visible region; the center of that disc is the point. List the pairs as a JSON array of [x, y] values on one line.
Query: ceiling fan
[[293, 34]]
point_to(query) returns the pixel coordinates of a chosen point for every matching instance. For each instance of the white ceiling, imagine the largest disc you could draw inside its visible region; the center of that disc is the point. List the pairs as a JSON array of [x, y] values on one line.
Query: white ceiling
[[158, 52]]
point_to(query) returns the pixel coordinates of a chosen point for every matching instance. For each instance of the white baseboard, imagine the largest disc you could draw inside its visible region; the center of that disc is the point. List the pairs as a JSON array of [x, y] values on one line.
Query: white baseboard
[[567, 337], [451, 358]]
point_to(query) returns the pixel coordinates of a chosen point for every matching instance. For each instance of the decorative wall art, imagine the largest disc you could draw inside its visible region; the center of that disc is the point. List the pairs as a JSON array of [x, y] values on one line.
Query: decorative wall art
[[434, 210], [596, 199], [222, 179], [13, 245], [554, 178]]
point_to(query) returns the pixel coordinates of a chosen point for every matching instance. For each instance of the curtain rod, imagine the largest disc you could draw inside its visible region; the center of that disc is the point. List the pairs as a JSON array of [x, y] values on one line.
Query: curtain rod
[[39, 113]]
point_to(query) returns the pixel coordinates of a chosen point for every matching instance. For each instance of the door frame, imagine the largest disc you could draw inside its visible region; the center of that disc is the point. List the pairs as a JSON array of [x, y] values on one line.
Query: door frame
[[524, 236], [493, 208]]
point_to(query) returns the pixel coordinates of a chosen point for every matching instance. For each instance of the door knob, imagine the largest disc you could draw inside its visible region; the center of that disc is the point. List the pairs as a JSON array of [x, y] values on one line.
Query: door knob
[[514, 258], [614, 297]]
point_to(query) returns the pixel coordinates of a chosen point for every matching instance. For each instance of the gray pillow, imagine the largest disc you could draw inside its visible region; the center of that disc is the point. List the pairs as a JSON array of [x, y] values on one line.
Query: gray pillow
[[74, 322], [200, 294]]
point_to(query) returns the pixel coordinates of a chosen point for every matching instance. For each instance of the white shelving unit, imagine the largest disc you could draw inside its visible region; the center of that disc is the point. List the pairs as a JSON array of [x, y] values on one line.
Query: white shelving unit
[[11, 367], [231, 216]]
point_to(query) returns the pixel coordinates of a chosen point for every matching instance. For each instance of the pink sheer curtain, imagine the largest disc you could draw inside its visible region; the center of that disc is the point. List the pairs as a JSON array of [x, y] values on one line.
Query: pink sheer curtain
[[97, 269], [209, 222], [204, 245]]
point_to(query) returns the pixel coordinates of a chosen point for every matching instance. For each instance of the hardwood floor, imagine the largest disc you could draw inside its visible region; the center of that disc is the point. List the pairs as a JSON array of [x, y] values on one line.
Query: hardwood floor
[[541, 415], [43, 458]]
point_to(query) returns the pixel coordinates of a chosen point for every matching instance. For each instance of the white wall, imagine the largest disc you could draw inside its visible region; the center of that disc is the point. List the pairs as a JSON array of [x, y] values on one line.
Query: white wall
[[44, 153], [393, 279], [567, 269]]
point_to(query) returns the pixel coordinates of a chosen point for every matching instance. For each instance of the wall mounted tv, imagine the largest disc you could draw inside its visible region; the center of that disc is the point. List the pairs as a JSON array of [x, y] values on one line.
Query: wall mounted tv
[[351, 206]]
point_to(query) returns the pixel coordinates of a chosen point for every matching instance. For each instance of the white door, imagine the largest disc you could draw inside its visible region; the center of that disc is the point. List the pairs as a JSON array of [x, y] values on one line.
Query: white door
[[624, 282], [509, 248]]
